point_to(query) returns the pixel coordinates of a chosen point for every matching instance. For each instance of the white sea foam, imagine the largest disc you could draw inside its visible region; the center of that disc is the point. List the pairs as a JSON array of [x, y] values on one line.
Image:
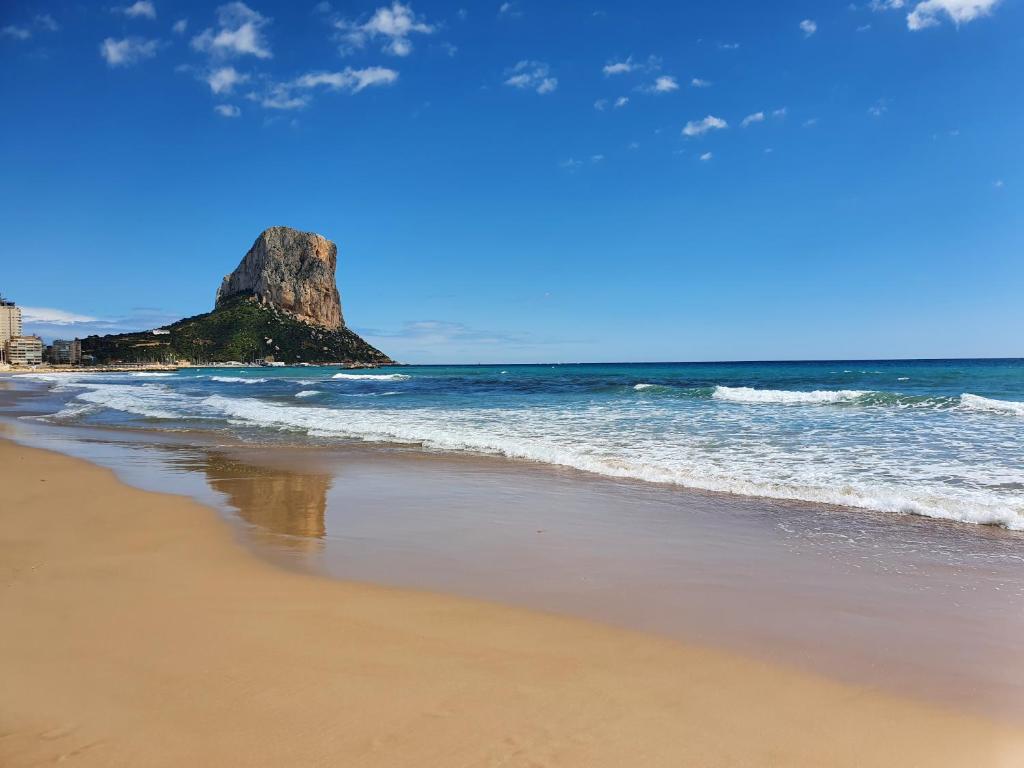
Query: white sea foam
[[151, 374], [770, 472], [979, 403], [929, 459], [786, 397], [903, 378], [372, 376], [308, 393], [237, 380], [642, 386]]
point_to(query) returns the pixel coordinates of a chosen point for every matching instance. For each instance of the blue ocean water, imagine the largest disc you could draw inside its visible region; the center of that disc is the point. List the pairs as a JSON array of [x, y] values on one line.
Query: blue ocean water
[[939, 438]]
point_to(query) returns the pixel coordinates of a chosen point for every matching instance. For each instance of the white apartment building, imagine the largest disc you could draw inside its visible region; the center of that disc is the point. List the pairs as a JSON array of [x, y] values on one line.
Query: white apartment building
[[25, 350], [10, 326]]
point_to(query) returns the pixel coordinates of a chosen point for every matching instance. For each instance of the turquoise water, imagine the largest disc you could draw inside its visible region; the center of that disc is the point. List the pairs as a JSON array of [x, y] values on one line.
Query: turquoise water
[[943, 439]]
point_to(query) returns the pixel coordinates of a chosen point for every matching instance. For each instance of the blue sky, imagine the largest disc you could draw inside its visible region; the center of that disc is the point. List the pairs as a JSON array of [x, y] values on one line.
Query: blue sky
[[531, 181]]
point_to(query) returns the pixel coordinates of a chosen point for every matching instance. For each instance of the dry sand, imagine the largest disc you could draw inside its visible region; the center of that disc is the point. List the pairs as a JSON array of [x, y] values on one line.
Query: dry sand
[[137, 632]]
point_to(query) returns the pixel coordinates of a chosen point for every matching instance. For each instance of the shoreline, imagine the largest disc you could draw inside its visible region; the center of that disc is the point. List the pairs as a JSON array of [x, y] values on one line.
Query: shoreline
[[699, 488], [894, 602], [137, 619]]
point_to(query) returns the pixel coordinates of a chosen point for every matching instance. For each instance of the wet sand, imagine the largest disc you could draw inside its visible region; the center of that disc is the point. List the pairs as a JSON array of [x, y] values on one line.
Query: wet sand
[[138, 632]]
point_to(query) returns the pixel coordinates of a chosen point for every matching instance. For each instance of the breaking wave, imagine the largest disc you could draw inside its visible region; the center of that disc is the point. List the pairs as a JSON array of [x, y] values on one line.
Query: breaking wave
[[750, 395], [373, 376], [978, 403], [237, 380]]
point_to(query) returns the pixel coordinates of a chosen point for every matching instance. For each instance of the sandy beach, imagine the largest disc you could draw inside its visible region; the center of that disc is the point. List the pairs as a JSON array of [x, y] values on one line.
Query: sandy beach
[[138, 632]]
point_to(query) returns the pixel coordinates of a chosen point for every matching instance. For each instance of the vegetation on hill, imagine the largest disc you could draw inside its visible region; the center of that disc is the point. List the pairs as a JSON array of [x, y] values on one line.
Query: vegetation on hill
[[241, 329]]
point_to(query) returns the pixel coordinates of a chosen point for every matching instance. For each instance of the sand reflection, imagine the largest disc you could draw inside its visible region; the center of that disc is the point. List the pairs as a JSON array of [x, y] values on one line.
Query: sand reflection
[[284, 504]]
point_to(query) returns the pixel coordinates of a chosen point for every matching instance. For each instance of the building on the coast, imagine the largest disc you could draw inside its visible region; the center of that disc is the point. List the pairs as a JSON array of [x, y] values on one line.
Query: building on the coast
[[10, 325], [66, 352], [25, 350]]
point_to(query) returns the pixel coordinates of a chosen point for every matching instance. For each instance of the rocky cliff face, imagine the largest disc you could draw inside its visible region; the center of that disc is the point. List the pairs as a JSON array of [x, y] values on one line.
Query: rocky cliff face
[[281, 303], [291, 271]]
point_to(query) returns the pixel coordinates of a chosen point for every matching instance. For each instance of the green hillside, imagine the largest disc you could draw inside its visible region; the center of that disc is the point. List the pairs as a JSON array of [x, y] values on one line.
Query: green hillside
[[240, 329]]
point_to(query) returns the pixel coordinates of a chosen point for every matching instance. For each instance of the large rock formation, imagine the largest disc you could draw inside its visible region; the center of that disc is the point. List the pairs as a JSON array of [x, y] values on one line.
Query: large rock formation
[[292, 271], [281, 303]]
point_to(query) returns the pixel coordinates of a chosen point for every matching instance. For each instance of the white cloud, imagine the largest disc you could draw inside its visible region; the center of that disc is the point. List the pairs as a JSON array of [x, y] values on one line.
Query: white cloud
[[531, 75], [128, 51], [756, 117], [886, 5], [601, 105], [395, 25], [597, 158], [138, 10], [571, 164], [238, 33], [706, 156], [998, 184], [698, 83], [224, 79], [728, 46], [621, 102], [227, 110], [662, 84], [18, 33], [52, 316], [619, 67], [508, 10], [780, 112], [352, 80], [295, 94], [810, 122], [180, 26], [633, 145], [879, 108], [700, 127], [808, 27], [930, 12]]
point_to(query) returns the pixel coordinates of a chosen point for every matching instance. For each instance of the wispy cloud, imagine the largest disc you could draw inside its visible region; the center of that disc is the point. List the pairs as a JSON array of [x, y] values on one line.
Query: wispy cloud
[[509, 10], [227, 110], [394, 25], [239, 32], [142, 9], [297, 93], [930, 12], [179, 26], [808, 27], [54, 316], [699, 83], [51, 323], [879, 108], [706, 156], [621, 102], [756, 117], [700, 127], [16, 32], [127, 51], [46, 22], [531, 75], [42, 21]]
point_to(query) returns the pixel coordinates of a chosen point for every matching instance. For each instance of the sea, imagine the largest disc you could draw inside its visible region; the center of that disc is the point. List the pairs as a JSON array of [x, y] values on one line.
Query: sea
[[940, 439]]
